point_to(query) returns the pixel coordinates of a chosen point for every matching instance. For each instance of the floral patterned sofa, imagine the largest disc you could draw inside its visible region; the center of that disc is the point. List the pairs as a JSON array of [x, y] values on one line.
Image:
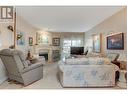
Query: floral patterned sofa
[[87, 72]]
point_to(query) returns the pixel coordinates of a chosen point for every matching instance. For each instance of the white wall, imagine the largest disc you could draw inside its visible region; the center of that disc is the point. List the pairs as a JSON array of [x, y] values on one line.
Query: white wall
[[28, 30], [115, 24]]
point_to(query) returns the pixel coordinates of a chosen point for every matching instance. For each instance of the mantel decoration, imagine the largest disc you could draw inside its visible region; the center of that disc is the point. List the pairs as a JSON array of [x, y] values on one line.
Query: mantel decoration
[[97, 43], [56, 41], [115, 42]]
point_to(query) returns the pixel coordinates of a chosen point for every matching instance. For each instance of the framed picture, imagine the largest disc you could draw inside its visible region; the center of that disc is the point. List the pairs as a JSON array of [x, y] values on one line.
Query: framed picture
[[97, 43], [30, 41], [20, 38], [115, 42], [56, 41], [42, 39]]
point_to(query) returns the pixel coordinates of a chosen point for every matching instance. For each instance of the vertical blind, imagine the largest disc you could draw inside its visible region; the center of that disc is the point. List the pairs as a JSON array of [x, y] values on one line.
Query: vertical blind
[[73, 40]]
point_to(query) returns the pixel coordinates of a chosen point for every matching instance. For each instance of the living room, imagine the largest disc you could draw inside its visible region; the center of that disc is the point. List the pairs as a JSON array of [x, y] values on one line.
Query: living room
[[47, 34]]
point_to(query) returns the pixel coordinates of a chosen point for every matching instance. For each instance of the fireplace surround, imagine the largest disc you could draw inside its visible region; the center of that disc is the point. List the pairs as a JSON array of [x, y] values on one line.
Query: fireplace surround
[[46, 51]]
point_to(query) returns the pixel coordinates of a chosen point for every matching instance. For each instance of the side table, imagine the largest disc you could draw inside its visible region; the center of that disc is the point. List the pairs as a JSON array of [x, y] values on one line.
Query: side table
[[122, 79], [123, 65]]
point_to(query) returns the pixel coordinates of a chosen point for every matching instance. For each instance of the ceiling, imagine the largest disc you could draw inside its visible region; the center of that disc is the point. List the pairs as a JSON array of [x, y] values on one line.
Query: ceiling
[[65, 18]]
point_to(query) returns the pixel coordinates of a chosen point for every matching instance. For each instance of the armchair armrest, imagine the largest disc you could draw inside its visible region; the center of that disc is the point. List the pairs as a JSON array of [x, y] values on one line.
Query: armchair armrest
[[35, 60], [31, 67]]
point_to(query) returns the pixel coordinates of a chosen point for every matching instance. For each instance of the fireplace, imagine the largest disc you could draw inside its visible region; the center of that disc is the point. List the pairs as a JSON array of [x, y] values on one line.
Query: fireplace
[[45, 55], [48, 52]]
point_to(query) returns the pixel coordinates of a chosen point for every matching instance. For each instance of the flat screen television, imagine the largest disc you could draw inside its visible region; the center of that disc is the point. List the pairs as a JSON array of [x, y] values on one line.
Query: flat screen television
[[77, 50]]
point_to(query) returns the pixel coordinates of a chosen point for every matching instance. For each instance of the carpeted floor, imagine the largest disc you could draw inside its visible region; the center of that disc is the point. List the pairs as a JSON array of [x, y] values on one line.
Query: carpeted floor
[[49, 81]]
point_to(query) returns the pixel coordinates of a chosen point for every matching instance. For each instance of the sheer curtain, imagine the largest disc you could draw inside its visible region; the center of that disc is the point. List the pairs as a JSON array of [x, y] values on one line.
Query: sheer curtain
[[72, 40]]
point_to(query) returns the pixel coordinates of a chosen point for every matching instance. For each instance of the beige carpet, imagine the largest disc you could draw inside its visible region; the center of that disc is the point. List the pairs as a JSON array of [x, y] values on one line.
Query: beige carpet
[[49, 81]]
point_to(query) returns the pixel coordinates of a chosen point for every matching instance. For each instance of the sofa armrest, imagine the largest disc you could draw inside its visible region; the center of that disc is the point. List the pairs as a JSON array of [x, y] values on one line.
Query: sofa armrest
[[31, 67]]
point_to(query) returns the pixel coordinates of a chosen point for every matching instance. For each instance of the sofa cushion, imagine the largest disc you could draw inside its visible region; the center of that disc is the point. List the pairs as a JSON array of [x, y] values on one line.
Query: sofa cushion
[[92, 54], [112, 56], [98, 61], [88, 61], [123, 57], [77, 61]]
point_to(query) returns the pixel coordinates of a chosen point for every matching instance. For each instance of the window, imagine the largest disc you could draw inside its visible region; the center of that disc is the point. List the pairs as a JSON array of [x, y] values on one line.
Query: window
[[67, 43], [70, 43], [71, 40], [76, 43]]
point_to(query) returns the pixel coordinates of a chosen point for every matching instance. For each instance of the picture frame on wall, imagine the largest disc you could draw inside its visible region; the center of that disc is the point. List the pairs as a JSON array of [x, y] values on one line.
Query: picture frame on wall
[[115, 42], [20, 38], [30, 41], [42, 38], [97, 43], [56, 41]]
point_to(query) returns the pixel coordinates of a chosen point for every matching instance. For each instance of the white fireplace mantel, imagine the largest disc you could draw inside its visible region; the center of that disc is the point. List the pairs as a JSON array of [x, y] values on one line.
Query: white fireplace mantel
[[46, 49]]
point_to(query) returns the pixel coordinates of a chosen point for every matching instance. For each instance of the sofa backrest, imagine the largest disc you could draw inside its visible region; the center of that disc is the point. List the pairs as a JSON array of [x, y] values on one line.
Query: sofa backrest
[[87, 61], [112, 56]]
